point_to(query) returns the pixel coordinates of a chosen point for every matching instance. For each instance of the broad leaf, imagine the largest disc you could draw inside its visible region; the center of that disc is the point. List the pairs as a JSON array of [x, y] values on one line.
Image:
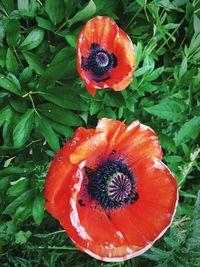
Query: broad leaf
[[12, 32], [55, 10], [33, 40], [38, 209], [23, 129], [60, 115], [87, 12]]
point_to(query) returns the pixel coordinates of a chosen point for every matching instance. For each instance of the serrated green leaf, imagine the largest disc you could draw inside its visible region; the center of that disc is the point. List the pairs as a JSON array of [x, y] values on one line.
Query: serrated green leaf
[[23, 129], [11, 62], [55, 10], [170, 111], [33, 39], [141, 71], [21, 237], [154, 74], [189, 130], [38, 209], [60, 115], [87, 12]]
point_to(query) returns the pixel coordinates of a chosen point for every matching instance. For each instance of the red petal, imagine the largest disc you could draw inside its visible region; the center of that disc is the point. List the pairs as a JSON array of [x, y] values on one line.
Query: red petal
[[138, 141], [61, 171], [90, 149], [101, 30]]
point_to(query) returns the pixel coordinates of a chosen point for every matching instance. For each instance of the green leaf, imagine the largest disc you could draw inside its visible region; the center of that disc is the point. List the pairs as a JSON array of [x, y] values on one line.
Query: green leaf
[[60, 115], [38, 209], [183, 67], [8, 85], [142, 71], [23, 129], [169, 110], [114, 99], [8, 5], [61, 128], [11, 62], [4, 183], [45, 24], [60, 65], [21, 237], [48, 133], [22, 198], [55, 10], [87, 12], [107, 113], [19, 104], [65, 98], [26, 75], [18, 188], [23, 6], [3, 52], [34, 62], [33, 39], [188, 130], [154, 74], [71, 39], [196, 24], [193, 242], [5, 114], [12, 32]]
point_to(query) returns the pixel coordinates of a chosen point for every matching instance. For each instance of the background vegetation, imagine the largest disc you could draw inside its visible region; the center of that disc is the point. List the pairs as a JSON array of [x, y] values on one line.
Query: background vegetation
[[42, 101]]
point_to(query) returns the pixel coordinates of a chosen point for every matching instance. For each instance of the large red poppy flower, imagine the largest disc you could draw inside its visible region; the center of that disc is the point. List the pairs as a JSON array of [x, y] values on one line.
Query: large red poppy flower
[[110, 190], [105, 55]]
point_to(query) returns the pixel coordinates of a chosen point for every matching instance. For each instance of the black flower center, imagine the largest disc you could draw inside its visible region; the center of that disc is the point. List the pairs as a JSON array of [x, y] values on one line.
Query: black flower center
[[102, 59], [112, 184], [99, 62]]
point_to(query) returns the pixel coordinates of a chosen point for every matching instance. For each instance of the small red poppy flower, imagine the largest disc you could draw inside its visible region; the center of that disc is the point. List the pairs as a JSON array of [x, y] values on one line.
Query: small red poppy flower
[[105, 55], [110, 190]]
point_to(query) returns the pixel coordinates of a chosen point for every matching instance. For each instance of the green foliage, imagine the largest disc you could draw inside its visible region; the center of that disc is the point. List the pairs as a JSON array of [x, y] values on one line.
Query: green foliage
[[43, 100]]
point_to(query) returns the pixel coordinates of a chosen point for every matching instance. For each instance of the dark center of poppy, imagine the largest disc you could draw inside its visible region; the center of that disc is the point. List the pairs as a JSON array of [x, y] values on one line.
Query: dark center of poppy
[[119, 187], [102, 59], [112, 184], [99, 62]]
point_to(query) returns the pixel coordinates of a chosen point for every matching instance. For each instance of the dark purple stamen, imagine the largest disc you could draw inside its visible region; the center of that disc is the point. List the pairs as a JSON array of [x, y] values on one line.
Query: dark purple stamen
[[112, 184], [100, 62]]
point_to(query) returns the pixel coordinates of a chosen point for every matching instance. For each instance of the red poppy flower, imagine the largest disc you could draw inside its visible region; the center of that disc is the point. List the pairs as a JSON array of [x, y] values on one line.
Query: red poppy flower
[[105, 55], [110, 190]]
